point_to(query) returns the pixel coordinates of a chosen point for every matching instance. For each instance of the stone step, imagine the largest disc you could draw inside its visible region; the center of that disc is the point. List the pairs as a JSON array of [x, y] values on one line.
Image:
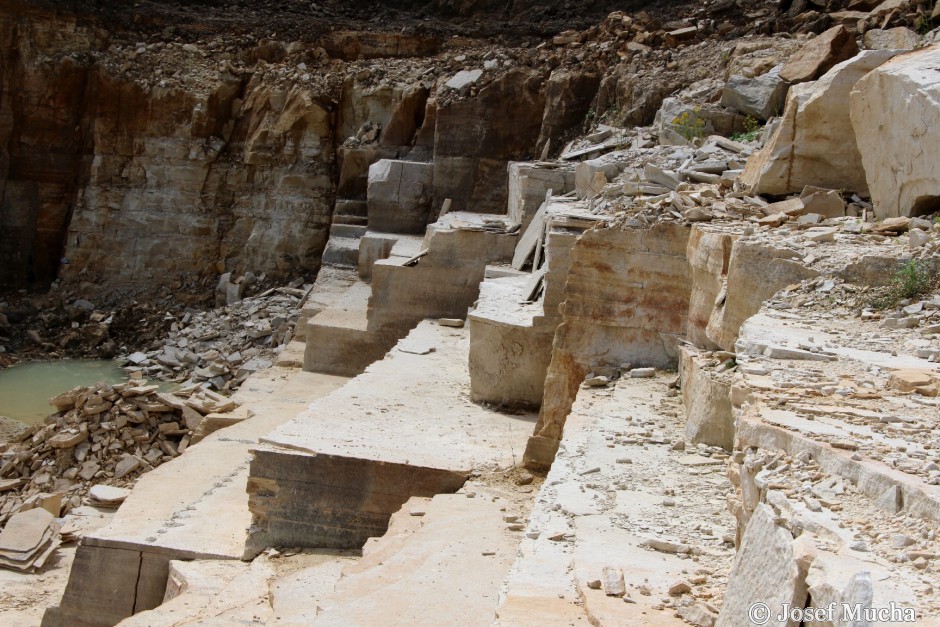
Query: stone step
[[332, 477], [442, 562], [342, 252], [351, 231], [348, 207], [620, 498], [350, 219], [193, 507], [291, 356], [332, 285], [338, 340]]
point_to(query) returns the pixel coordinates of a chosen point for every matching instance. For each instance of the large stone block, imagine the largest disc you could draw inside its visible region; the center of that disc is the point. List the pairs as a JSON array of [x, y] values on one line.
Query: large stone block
[[399, 196], [528, 184], [767, 569], [745, 291], [814, 143], [707, 398], [895, 116], [316, 500]]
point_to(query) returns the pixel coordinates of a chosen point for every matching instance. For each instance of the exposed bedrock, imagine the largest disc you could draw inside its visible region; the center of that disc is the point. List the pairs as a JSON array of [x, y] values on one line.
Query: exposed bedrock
[[631, 296], [627, 297], [139, 174]]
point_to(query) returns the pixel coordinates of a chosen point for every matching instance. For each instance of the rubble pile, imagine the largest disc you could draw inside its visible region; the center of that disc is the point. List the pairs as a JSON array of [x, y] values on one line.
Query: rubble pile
[[105, 434], [223, 346]]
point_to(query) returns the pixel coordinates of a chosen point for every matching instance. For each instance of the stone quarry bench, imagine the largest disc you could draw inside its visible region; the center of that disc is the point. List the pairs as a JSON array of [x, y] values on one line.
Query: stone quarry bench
[[333, 476]]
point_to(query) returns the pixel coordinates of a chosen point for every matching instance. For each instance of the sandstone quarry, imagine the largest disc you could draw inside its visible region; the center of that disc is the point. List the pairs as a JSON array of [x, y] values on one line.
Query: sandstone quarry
[[473, 313]]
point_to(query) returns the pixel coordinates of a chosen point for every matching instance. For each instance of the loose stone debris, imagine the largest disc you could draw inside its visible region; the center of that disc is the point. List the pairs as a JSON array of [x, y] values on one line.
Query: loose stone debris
[[99, 441]]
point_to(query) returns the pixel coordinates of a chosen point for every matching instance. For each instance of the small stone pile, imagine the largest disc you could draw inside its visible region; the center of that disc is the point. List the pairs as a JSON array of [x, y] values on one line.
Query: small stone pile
[[225, 345], [104, 434]]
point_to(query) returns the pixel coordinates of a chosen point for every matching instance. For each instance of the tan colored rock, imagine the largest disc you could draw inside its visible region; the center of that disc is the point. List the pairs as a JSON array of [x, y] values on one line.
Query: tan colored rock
[[746, 291], [825, 202], [814, 142], [819, 55], [709, 418], [893, 226], [895, 112], [766, 570], [899, 38]]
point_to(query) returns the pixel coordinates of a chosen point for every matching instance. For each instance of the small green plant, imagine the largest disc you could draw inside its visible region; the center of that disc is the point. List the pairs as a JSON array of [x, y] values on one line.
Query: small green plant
[[914, 278], [922, 25], [690, 124], [752, 129]]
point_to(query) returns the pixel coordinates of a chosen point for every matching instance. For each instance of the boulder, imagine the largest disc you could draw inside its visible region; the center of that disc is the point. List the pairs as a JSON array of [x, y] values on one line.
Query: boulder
[[895, 112], [819, 55], [899, 38], [767, 569], [827, 203], [814, 142], [678, 122], [761, 97]]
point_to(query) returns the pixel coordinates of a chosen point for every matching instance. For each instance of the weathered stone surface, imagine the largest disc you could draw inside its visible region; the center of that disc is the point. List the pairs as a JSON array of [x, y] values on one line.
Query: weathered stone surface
[[814, 144], [819, 55], [894, 110], [399, 196], [709, 418], [528, 184], [899, 38], [626, 301], [746, 290], [766, 570], [762, 96], [709, 254]]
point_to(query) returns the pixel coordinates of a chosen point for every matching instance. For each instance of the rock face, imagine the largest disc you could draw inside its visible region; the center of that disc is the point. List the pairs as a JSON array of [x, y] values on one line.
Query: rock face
[[761, 97], [745, 292], [627, 289], [819, 55], [144, 184], [902, 166], [470, 155], [157, 186], [814, 144]]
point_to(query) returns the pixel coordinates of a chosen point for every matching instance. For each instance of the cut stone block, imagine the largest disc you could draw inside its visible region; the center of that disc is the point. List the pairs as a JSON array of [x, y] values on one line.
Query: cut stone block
[[399, 195]]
